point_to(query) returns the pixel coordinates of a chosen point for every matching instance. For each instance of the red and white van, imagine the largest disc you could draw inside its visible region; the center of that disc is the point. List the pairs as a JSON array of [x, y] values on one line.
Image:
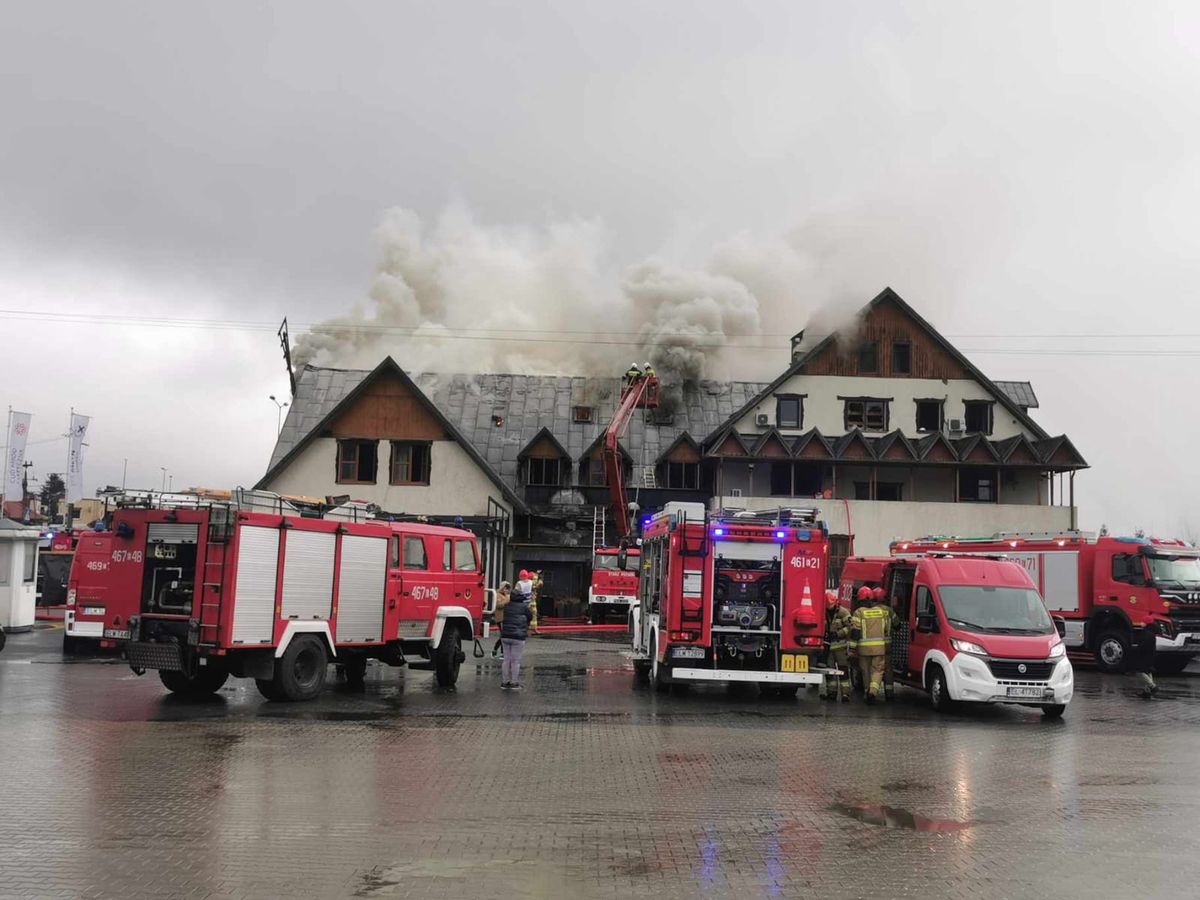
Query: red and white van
[[972, 630]]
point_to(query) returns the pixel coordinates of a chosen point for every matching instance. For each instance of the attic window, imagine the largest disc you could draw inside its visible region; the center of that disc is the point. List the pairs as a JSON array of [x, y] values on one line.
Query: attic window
[[663, 417], [581, 414], [978, 416], [868, 358], [901, 358], [356, 461]]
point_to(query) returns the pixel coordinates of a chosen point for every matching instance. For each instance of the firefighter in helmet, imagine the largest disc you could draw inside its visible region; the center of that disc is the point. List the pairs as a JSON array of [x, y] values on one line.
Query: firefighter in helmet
[[633, 373], [648, 370], [889, 674], [871, 625], [837, 636]]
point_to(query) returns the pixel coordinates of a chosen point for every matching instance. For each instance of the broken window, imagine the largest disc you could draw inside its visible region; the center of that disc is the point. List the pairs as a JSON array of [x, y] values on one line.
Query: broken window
[[789, 412], [544, 472], [681, 475], [410, 463], [929, 415], [901, 358], [889, 490], [356, 461], [582, 414], [593, 473], [868, 358], [867, 414], [978, 415], [977, 485]]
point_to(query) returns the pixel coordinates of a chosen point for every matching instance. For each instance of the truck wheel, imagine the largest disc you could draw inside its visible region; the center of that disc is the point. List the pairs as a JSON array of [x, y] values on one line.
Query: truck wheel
[[659, 672], [641, 671], [1112, 650], [354, 670], [300, 672], [939, 693], [207, 680], [1054, 712], [269, 689], [1174, 664], [448, 657]]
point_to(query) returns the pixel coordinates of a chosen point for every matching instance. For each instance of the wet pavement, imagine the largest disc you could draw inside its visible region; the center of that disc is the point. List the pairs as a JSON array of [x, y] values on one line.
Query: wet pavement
[[582, 785]]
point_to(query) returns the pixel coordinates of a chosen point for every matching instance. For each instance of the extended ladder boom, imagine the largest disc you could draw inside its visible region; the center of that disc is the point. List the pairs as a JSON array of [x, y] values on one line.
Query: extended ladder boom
[[643, 392]]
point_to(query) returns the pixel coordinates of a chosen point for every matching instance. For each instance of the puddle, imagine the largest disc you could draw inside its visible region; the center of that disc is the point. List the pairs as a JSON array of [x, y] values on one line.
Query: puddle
[[895, 817], [907, 786]]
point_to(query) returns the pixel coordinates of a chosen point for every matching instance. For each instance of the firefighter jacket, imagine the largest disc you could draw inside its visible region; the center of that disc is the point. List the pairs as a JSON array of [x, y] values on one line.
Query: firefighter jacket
[[873, 624], [837, 628]]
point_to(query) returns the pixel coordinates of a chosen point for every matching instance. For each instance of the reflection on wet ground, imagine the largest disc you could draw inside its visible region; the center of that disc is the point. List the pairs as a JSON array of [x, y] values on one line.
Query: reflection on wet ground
[[583, 785]]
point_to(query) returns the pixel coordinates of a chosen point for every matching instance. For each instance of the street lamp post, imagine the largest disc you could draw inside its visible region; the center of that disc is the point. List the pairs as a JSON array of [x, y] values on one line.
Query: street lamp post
[[278, 414], [164, 480]]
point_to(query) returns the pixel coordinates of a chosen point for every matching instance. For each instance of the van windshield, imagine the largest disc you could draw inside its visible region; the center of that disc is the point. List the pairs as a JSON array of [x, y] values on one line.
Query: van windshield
[[995, 610], [1177, 571]]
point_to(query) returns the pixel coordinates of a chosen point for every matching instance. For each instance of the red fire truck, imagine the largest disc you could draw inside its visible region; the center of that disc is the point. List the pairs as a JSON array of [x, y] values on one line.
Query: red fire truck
[[1103, 587], [217, 589], [84, 618], [613, 589], [731, 597]]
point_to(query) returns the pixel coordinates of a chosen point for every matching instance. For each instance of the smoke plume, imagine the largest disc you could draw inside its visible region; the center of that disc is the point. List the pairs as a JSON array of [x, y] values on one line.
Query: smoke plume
[[462, 296]]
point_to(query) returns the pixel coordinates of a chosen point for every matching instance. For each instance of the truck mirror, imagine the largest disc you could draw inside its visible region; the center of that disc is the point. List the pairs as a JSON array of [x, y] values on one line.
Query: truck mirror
[[927, 623], [1060, 625], [622, 559]]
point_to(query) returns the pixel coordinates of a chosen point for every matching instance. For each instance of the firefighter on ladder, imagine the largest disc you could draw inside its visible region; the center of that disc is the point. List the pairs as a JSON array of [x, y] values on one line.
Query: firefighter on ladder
[[889, 676], [633, 373], [837, 636], [870, 626]]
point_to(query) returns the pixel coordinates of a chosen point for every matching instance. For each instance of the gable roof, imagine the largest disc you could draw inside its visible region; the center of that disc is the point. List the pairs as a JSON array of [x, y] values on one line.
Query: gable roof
[[326, 405], [684, 438], [884, 296], [812, 435], [544, 434], [524, 405]]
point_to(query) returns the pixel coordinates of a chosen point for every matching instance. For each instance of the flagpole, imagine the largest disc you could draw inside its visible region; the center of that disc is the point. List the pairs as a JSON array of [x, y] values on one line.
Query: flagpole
[[7, 432]]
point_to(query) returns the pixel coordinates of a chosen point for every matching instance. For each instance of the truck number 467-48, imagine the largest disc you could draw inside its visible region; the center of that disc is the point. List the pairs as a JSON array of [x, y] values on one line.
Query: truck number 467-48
[[424, 592]]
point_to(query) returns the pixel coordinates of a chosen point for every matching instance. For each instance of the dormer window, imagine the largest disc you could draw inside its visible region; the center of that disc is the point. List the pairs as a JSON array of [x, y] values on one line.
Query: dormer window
[[789, 411], [581, 414]]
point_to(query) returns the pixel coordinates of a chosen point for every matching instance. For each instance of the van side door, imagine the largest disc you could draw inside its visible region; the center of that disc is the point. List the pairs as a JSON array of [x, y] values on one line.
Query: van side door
[[923, 628]]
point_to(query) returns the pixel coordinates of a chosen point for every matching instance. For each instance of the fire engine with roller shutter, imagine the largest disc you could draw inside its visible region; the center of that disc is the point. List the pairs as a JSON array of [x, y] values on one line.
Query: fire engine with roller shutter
[[210, 590], [731, 597]]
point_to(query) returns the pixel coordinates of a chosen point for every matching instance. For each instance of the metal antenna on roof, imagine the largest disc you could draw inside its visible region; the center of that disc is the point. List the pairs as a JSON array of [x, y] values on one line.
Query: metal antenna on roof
[[287, 354]]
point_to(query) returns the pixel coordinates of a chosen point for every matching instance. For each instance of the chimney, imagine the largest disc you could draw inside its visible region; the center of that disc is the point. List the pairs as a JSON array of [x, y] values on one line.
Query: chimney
[[797, 339]]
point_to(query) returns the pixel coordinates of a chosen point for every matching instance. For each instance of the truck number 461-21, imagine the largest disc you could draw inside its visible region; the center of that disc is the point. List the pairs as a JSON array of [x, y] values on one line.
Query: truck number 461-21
[[806, 562]]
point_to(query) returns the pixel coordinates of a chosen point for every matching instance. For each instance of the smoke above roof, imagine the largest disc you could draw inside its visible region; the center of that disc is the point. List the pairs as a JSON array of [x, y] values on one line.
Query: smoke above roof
[[460, 295]]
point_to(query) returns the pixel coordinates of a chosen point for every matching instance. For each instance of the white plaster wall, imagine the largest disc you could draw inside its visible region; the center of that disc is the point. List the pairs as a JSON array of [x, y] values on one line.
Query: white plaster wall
[[876, 525], [18, 599], [457, 486], [823, 409]]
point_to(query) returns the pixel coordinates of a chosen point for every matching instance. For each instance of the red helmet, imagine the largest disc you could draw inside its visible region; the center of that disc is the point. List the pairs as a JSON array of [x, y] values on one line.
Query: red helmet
[[878, 593], [864, 593], [524, 576]]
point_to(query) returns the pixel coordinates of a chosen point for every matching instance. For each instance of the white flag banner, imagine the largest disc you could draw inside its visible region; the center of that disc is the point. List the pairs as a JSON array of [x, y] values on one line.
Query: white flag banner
[[79, 427], [14, 459]]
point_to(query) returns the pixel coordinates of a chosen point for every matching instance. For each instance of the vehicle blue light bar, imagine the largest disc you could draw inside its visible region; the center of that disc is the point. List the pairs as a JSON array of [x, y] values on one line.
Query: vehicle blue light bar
[[804, 535], [718, 531]]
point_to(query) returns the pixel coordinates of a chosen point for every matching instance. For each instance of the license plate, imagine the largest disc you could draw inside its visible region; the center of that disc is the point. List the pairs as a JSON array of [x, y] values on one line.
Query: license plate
[[116, 634], [688, 652], [93, 610], [795, 663], [1034, 693]]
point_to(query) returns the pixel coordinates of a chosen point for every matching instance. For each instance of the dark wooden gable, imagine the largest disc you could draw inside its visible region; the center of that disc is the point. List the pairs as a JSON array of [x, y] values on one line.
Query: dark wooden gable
[[854, 447], [935, 448], [1022, 453], [886, 323], [812, 445], [387, 409], [771, 445]]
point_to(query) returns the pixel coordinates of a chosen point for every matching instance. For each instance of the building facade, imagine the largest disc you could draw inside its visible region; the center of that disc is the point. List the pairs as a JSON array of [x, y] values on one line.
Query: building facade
[[891, 433]]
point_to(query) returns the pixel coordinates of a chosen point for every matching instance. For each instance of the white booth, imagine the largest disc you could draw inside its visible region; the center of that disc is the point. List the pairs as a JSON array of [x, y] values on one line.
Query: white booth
[[18, 575]]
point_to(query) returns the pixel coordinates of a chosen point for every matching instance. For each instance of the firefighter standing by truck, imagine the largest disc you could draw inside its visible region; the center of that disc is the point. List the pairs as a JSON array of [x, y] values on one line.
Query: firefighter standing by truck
[[837, 633], [870, 626], [889, 670]]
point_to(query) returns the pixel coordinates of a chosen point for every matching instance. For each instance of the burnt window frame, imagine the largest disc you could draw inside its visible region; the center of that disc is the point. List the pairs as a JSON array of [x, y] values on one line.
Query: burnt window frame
[[542, 462], [865, 348], [976, 475], [798, 399], [410, 446], [907, 345], [865, 403], [941, 406], [683, 468], [341, 460], [899, 487], [581, 415], [989, 405]]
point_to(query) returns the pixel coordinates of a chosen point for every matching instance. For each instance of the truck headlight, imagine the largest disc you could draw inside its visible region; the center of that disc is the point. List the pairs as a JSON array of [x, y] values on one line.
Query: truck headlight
[[967, 647], [1058, 651]]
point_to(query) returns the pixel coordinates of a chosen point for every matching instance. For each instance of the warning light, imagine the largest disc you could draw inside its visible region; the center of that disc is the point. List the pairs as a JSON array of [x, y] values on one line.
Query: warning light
[[718, 531], [781, 534]]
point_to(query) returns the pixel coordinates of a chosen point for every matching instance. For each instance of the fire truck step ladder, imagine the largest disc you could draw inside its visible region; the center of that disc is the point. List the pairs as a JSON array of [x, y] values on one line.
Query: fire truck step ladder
[[212, 594], [598, 537]]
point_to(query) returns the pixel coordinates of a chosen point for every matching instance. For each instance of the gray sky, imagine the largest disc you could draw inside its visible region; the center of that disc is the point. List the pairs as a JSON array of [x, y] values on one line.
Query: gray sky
[[1024, 170]]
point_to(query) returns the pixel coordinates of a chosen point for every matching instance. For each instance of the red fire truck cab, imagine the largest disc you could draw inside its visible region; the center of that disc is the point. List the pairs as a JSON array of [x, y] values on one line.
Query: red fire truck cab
[[731, 597], [614, 584], [202, 593], [1103, 587], [970, 630]]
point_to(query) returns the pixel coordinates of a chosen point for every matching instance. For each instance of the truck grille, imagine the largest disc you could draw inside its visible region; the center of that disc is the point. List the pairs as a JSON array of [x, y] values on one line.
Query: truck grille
[[1010, 669], [146, 655]]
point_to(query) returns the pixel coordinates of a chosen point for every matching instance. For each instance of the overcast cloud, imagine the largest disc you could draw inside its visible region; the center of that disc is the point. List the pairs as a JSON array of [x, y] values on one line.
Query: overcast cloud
[[1021, 169]]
